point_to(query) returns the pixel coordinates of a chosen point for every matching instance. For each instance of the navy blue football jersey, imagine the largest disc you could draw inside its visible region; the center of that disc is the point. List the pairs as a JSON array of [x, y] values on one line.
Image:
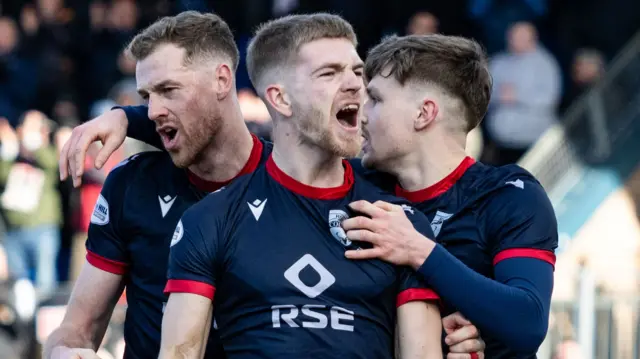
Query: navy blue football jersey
[[131, 227], [269, 252], [483, 216]]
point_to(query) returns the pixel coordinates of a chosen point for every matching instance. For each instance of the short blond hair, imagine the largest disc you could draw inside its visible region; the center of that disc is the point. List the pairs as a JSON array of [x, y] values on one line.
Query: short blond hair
[[456, 64], [199, 34], [277, 42]]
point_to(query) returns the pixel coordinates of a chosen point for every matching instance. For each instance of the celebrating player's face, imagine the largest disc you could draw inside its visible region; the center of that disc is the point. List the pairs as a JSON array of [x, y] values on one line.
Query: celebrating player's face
[[328, 94], [387, 126], [181, 101]]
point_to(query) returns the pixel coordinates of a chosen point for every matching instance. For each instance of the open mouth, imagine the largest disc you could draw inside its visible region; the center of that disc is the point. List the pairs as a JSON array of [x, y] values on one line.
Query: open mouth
[[348, 116], [169, 136]]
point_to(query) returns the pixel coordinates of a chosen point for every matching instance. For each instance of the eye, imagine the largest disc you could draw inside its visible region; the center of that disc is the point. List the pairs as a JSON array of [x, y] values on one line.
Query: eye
[[327, 74], [358, 73]]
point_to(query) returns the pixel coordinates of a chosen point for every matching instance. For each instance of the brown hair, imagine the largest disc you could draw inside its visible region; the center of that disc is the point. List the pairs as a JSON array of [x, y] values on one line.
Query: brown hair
[[199, 34], [277, 42], [456, 64]]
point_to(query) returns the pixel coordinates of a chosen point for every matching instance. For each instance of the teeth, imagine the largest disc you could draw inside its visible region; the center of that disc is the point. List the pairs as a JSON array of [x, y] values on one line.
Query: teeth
[[351, 108]]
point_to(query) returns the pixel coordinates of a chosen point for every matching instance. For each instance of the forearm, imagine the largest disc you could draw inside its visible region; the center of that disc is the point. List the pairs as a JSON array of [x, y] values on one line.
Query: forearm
[[140, 127], [185, 327], [419, 330], [74, 337], [515, 311]]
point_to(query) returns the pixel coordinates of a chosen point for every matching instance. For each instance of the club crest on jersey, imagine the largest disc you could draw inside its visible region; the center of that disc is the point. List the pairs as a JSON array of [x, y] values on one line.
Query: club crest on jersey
[[177, 234], [438, 220], [100, 215], [336, 216]]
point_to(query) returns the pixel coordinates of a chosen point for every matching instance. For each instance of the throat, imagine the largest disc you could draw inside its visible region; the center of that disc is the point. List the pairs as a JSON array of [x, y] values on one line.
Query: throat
[[224, 162]]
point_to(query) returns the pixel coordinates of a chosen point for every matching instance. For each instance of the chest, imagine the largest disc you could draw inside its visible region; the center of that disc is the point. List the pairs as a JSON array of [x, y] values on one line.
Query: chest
[[150, 218], [460, 231], [293, 253]]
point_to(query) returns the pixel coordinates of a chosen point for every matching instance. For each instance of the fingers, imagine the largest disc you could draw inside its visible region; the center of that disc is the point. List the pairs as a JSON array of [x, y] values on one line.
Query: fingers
[[386, 206], [63, 163], [462, 334], [362, 235], [77, 157], [363, 254], [454, 321], [465, 356], [111, 145], [359, 222], [367, 208], [468, 346]]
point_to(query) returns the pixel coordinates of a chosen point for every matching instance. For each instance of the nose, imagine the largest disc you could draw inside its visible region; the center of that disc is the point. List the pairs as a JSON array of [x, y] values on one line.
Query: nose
[[352, 82], [156, 109]]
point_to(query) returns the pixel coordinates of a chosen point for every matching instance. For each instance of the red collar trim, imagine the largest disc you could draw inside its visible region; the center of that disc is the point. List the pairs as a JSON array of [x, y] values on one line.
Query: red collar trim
[[439, 188], [250, 166], [308, 191]]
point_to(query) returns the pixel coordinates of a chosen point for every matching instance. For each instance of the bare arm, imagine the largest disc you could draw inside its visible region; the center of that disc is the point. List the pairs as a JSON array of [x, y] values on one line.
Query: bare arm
[[92, 301], [419, 331], [185, 326]]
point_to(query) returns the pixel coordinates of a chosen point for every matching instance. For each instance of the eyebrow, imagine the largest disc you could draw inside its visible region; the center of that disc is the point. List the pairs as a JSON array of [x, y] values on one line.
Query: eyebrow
[[158, 86], [337, 66]]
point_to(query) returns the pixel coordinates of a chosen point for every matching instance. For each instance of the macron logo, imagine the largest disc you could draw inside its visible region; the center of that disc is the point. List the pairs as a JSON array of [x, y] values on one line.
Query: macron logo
[[256, 207], [165, 204], [518, 183]]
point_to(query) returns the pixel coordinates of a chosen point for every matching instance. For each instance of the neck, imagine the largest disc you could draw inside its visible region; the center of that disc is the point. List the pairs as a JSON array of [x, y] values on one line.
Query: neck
[[434, 160], [228, 151], [306, 163]]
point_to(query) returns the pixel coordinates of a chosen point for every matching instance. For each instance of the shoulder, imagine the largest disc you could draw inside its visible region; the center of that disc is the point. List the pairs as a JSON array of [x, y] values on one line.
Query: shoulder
[[516, 205], [141, 163]]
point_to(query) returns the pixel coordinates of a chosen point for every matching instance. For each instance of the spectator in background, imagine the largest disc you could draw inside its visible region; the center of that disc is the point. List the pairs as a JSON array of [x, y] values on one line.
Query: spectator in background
[[587, 69], [494, 17], [18, 79], [423, 23], [31, 202], [526, 92]]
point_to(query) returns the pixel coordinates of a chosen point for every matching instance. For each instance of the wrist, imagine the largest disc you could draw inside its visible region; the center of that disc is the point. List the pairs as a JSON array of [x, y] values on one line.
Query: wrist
[[420, 251]]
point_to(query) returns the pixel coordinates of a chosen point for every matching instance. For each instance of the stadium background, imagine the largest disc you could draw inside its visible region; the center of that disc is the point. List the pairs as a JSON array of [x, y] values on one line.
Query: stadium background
[[61, 64]]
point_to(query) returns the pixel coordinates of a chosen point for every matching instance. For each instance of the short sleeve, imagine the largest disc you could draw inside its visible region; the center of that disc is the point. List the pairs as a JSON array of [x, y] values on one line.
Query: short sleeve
[[106, 245], [193, 259], [411, 288], [520, 222]]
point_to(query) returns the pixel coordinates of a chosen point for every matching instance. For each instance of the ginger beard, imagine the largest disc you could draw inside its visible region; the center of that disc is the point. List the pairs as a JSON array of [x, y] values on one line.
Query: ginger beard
[[336, 131], [188, 134]]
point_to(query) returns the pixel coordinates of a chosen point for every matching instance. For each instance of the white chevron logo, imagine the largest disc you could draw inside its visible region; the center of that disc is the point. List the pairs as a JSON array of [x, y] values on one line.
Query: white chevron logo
[[166, 203]]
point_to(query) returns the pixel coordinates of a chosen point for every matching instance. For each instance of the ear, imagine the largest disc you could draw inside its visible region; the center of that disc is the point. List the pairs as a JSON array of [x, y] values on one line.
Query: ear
[[427, 114], [277, 98], [224, 81]]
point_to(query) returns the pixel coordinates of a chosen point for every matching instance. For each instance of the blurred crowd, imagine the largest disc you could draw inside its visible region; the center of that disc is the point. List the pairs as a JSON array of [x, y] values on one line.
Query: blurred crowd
[[61, 63]]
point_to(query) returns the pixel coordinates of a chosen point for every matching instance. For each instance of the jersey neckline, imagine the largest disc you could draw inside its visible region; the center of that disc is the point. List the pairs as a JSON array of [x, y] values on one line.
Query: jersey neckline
[[438, 188], [309, 191], [249, 167]]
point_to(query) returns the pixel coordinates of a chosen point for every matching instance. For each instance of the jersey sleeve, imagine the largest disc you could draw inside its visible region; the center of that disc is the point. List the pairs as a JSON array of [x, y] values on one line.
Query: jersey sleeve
[[195, 249], [520, 223], [106, 243], [140, 127], [411, 286]]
